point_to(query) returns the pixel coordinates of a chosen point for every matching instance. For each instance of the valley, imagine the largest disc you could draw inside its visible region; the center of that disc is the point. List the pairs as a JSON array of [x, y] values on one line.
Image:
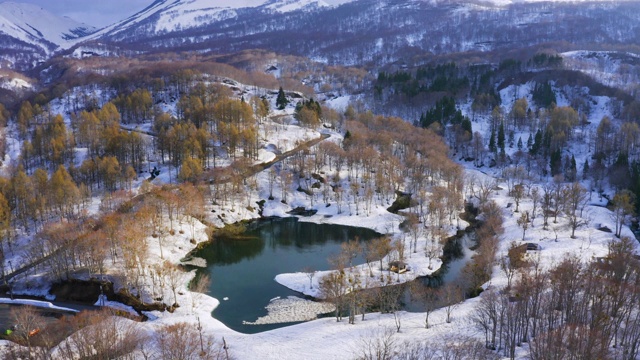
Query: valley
[[378, 142]]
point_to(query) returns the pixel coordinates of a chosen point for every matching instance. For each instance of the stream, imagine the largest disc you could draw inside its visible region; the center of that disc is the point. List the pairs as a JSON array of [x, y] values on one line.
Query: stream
[[242, 271]]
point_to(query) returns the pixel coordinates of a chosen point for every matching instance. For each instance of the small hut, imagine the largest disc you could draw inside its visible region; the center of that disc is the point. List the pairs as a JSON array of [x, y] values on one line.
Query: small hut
[[398, 266]]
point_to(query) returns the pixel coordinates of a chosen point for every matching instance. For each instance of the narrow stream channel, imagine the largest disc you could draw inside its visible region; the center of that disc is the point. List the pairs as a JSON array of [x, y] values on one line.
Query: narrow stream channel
[[450, 275]]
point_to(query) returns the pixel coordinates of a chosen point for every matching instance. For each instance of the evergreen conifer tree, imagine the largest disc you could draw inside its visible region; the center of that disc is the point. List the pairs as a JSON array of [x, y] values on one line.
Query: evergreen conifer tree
[[492, 142], [467, 127], [537, 143], [555, 162], [501, 137], [281, 100], [585, 169]]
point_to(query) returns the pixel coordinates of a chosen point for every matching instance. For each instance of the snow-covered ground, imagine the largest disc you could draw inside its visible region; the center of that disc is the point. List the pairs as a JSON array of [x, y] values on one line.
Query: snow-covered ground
[[14, 83], [612, 68], [325, 338], [328, 339], [186, 14], [36, 303], [32, 24]]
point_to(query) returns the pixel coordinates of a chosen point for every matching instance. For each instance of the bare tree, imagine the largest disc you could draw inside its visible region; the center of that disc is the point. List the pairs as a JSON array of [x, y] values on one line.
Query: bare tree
[[517, 193], [352, 297], [513, 175], [100, 335], [523, 222], [416, 229], [461, 347], [200, 285], [575, 197], [333, 288], [432, 248], [389, 297], [370, 255], [558, 192], [310, 274], [485, 187], [451, 296], [513, 261], [28, 322], [174, 278], [379, 345], [487, 316], [350, 250], [623, 202], [546, 203], [272, 176], [181, 341], [535, 199], [412, 350], [381, 247], [427, 296]]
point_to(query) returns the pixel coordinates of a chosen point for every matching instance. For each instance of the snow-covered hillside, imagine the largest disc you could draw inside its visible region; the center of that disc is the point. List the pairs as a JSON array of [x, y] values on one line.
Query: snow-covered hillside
[[29, 34], [14, 83], [34, 25], [612, 68], [343, 28], [178, 15], [326, 338], [340, 28]]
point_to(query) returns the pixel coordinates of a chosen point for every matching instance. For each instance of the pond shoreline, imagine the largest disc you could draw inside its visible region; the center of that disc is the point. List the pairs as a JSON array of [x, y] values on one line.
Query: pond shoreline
[[256, 222], [242, 272]]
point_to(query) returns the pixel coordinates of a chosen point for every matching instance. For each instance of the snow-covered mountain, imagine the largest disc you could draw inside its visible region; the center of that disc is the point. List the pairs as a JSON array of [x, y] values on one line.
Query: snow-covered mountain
[[345, 32], [31, 23], [378, 32], [28, 33], [164, 16]]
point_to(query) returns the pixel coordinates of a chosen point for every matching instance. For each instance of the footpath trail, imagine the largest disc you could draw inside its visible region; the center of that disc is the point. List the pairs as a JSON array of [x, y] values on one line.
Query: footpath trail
[[284, 155], [251, 170], [21, 270], [139, 131], [256, 168]]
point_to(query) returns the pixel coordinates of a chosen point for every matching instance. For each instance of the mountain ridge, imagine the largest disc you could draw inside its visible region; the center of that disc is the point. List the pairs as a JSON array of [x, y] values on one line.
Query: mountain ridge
[[30, 34], [31, 23], [180, 15], [344, 32]]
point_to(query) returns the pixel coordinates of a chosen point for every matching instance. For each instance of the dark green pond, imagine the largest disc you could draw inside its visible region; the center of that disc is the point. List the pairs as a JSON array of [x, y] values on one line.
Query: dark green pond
[[244, 270]]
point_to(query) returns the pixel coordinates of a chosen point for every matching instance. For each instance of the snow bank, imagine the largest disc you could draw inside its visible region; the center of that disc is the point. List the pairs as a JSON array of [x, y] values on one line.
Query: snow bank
[[36, 303], [292, 309], [102, 301]]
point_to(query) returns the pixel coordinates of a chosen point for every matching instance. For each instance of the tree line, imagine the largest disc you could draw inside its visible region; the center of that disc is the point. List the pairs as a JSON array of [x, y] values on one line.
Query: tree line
[[572, 310], [105, 334]]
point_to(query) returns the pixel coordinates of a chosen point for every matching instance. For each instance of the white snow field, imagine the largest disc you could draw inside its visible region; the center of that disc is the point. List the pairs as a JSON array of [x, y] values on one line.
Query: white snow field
[[32, 24], [325, 338]]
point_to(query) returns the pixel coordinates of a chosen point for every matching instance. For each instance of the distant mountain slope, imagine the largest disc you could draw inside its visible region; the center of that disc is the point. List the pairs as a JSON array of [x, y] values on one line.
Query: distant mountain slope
[[28, 33], [373, 31], [165, 16], [31, 23], [344, 32]]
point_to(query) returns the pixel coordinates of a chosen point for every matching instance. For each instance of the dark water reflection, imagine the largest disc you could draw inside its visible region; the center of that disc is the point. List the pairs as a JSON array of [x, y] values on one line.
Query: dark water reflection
[[450, 272], [244, 270]]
